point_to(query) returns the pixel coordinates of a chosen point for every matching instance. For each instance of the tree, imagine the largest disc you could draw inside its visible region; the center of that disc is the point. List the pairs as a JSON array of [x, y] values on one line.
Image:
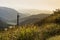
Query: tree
[[57, 11]]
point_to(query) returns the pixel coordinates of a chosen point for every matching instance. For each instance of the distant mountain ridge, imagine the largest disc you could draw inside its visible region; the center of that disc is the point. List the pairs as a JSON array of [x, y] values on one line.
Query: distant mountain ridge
[[33, 19], [35, 11]]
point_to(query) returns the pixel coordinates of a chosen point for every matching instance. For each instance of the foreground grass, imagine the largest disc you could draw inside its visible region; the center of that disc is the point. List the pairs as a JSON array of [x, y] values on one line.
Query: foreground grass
[[57, 37], [31, 32], [21, 33]]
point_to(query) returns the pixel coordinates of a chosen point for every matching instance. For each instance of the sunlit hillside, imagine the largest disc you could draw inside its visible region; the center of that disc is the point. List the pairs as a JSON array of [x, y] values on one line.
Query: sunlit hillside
[[54, 18]]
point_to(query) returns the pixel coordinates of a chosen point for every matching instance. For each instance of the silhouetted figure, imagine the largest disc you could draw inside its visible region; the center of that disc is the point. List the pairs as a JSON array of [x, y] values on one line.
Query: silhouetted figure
[[17, 19]]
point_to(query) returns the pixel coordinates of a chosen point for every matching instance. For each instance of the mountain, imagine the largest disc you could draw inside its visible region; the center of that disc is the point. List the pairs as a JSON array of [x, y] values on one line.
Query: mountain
[[34, 11], [10, 14], [33, 19]]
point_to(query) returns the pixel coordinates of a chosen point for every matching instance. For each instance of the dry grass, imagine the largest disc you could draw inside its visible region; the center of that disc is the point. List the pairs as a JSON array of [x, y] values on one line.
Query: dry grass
[[57, 37], [31, 32]]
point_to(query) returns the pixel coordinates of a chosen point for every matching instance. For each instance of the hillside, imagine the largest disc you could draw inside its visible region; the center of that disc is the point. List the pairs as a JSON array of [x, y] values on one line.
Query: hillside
[[33, 19], [54, 18]]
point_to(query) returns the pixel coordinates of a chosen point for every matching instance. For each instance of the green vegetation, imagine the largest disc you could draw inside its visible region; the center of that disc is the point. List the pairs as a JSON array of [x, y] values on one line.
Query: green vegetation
[[31, 32], [21, 33]]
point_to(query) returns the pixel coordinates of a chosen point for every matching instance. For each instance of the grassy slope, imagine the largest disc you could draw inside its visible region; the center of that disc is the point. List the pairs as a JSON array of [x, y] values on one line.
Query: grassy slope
[[54, 18]]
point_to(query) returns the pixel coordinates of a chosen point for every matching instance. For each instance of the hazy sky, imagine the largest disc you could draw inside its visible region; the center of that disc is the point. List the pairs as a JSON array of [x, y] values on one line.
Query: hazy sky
[[31, 4]]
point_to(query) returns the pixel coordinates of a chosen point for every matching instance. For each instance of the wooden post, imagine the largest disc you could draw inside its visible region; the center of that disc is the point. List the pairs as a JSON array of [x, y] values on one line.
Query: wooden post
[[17, 19]]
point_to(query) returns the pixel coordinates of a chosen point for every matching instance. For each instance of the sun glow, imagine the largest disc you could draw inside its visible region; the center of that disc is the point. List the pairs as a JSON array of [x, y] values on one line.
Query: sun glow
[[31, 4]]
